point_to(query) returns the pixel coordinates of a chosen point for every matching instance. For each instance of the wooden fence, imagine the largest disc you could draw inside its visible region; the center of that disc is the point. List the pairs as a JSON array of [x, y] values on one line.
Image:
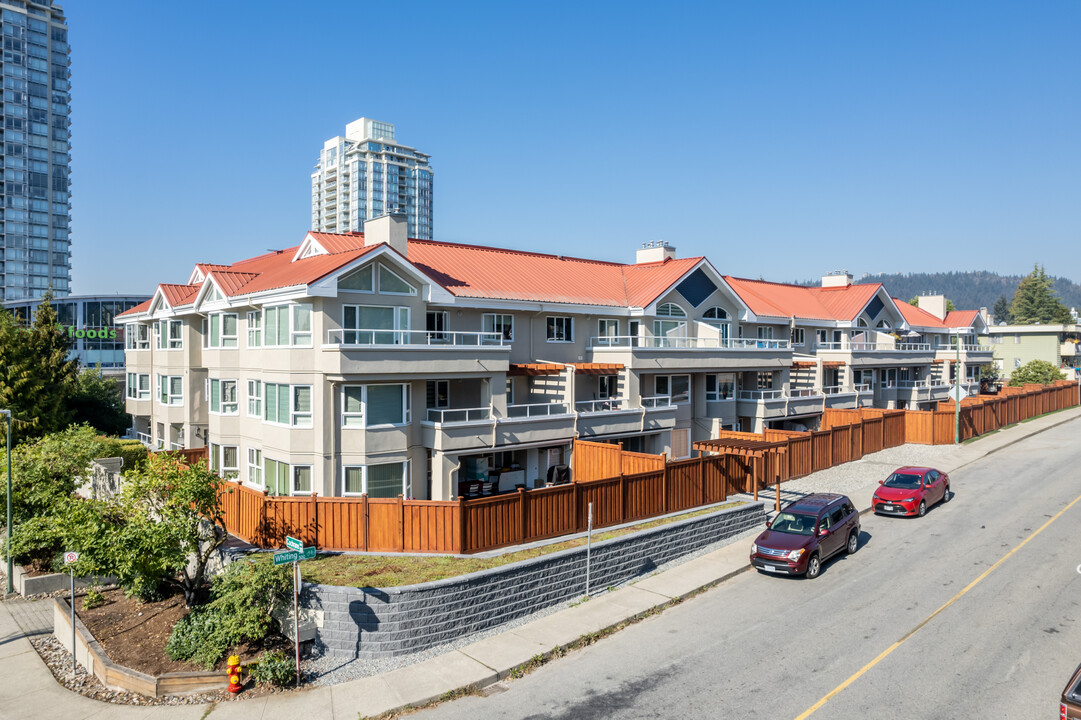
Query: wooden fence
[[593, 461], [634, 493]]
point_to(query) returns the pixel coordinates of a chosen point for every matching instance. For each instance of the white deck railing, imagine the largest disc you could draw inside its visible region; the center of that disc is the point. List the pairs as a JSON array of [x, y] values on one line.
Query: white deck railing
[[461, 415], [656, 401], [761, 394], [651, 342], [874, 347], [537, 410], [414, 338], [600, 406]]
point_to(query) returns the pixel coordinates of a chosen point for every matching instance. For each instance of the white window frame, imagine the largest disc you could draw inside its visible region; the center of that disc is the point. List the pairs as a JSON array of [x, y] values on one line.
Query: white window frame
[[353, 335], [295, 335], [379, 277], [765, 332], [668, 392], [165, 389], [137, 337], [176, 343], [502, 324], [407, 485], [255, 398], [442, 323], [346, 417], [296, 417], [218, 340], [446, 395], [292, 334], [255, 463], [293, 479], [799, 337], [223, 407], [559, 328], [135, 391], [407, 411], [292, 410], [228, 473], [605, 327], [714, 395], [254, 323]]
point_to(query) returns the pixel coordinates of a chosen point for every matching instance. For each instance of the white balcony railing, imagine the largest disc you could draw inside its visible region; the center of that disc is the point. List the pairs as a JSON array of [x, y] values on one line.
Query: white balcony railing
[[657, 401], [651, 342], [834, 390], [761, 394], [462, 415], [600, 406], [414, 338], [176, 446], [874, 347], [965, 347], [805, 392], [863, 388], [145, 439], [537, 410]]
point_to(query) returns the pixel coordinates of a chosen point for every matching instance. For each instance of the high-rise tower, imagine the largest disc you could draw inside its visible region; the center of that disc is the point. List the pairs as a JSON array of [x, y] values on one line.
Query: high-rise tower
[[368, 173], [36, 152]]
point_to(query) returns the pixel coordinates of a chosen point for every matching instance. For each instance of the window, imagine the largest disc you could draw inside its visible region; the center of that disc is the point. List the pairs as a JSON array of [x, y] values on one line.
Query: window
[[277, 477], [499, 326], [386, 480], [223, 397], [255, 466], [1017, 362], [255, 329], [302, 479], [884, 325], [255, 398], [176, 341], [137, 337], [765, 332], [361, 324], [391, 284], [607, 329], [676, 387], [718, 317], [353, 406], [720, 386], [167, 335], [438, 394], [560, 329], [510, 391], [354, 480], [861, 323], [302, 406], [223, 330], [607, 386], [170, 389], [764, 380], [287, 405], [1017, 339], [668, 327], [224, 460], [276, 325], [387, 404], [138, 386], [360, 281], [797, 336], [302, 326], [436, 325]]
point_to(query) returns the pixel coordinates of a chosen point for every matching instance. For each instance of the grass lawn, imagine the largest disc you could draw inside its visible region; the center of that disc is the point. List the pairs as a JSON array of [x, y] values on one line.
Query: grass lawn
[[395, 570]]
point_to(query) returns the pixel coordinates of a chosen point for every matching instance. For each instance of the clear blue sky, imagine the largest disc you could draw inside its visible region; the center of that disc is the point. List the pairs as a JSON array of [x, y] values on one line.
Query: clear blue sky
[[780, 139]]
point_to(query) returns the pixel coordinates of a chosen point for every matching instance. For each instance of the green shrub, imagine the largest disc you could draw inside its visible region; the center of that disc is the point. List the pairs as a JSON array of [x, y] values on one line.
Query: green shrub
[[38, 540], [239, 611], [275, 669], [93, 599], [133, 451]]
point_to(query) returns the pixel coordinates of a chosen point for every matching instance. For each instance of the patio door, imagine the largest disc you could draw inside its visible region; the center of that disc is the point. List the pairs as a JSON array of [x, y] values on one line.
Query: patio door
[[681, 443]]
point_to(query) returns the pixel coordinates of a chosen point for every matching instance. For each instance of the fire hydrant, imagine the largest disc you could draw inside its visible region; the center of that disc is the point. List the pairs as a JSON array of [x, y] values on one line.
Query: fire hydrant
[[234, 673]]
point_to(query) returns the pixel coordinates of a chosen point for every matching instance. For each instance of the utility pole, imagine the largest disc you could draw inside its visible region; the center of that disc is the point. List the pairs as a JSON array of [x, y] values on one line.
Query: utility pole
[[957, 398], [7, 541]]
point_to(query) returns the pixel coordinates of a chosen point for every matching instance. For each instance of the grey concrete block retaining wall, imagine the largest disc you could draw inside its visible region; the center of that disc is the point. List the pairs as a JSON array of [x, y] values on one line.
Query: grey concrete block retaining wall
[[373, 622]]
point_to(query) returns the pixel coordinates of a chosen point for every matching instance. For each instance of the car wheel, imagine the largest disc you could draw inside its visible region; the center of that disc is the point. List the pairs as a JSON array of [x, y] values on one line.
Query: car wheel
[[853, 542], [814, 567], [946, 496], [923, 508]]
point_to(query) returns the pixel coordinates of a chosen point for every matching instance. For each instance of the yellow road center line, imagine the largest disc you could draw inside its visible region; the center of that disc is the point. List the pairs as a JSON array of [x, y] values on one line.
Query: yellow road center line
[[885, 653]]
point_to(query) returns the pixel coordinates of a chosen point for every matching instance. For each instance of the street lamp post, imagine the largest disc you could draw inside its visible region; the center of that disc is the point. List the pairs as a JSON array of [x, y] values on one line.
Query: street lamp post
[[957, 398], [7, 541]]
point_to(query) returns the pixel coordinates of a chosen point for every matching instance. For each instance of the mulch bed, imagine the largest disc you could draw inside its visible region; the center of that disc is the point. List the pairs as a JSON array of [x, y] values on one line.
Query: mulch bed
[[134, 634]]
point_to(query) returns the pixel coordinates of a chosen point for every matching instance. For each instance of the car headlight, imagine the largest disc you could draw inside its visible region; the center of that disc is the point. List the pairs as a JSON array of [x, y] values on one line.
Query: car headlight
[[795, 554], [907, 499], [754, 548]]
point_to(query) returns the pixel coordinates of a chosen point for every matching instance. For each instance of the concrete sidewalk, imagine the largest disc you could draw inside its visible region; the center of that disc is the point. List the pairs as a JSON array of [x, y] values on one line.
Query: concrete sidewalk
[[31, 692]]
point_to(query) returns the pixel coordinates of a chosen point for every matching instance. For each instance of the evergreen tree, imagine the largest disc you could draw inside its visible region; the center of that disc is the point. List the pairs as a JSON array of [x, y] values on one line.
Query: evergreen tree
[[1036, 301], [1001, 310]]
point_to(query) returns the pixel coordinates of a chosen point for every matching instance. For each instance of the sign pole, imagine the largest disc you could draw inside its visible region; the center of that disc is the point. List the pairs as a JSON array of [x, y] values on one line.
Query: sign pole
[[71, 571], [589, 542], [296, 614], [957, 399]]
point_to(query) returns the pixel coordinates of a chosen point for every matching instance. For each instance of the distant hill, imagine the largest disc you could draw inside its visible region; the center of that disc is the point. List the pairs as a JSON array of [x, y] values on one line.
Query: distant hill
[[968, 290]]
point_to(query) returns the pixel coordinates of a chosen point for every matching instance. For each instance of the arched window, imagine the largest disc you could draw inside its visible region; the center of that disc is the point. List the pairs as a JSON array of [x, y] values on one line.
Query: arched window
[[718, 317], [884, 325], [861, 323], [673, 324]]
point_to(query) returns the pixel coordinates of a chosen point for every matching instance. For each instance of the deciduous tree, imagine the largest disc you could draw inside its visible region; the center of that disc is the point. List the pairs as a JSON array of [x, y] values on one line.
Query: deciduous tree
[[1036, 371]]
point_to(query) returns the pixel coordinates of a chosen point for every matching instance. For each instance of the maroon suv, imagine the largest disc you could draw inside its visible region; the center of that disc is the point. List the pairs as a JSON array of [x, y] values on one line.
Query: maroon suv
[[805, 534]]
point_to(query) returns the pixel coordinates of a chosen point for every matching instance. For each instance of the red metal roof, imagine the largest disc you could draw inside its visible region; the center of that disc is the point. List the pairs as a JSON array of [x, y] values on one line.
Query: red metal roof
[[813, 303], [141, 307], [961, 318], [179, 295]]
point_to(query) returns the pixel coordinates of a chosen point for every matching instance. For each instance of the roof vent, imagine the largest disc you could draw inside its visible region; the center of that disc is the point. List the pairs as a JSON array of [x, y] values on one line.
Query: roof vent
[[655, 251], [837, 278]]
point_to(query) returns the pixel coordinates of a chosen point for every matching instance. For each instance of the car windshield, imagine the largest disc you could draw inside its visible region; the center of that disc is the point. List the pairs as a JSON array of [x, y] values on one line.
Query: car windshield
[[793, 523], [909, 481]]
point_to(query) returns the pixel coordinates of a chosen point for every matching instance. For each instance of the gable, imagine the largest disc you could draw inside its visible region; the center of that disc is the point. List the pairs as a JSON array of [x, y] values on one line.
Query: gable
[[696, 287]]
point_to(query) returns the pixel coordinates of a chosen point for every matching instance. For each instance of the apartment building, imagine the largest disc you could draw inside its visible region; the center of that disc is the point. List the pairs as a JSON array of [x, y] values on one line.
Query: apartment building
[[1015, 345], [367, 173], [369, 362], [854, 345]]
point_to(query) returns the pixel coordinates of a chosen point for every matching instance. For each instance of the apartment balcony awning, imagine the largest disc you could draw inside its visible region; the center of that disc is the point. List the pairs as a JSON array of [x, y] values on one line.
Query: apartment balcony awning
[[534, 369], [741, 447], [598, 368], [833, 364]]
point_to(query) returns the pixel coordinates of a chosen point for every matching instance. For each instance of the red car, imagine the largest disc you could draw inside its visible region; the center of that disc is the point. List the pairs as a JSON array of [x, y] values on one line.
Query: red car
[[910, 491]]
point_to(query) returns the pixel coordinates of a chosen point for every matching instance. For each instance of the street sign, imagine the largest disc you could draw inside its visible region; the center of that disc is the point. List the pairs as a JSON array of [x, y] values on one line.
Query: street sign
[[293, 544], [308, 553], [957, 393], [70, 557], [286, 556]]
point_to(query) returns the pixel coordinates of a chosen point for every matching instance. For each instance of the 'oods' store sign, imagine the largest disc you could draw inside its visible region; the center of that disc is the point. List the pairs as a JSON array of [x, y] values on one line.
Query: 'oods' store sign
[[92, 333]]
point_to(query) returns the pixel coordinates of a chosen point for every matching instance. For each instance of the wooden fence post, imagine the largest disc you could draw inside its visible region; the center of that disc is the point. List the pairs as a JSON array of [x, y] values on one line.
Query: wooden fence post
[[522, 509], [622, 497], [575, 487], [401, 523], [461, 525], [754, 475], [701, 479], [364, 522], [664, 490], [261, 539], [315, 520]]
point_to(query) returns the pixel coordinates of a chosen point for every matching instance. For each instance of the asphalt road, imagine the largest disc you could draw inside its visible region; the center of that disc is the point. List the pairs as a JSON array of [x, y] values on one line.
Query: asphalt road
[[761, 646]]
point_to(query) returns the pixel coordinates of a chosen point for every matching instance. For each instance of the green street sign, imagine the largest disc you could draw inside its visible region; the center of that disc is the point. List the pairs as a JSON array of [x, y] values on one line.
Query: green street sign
[[293, 544], [308, 553], [286, 556]]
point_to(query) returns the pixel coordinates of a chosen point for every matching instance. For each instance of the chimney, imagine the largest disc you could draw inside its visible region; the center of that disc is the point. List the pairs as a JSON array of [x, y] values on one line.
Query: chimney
[[934, 304], [655, 251], [390, 229], [837, 278]]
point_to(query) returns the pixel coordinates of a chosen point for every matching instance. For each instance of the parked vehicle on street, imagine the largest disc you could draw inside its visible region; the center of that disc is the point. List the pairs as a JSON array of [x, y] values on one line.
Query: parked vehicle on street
[[805, 533], [1070, 705], [910, 491]]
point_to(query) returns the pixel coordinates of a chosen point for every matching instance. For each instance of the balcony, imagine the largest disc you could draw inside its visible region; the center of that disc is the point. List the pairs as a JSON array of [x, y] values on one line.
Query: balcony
[[774, 404], [878, 353], [1068, 349], [616, 416], [983, 353], [690, 353], [376, 351]]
